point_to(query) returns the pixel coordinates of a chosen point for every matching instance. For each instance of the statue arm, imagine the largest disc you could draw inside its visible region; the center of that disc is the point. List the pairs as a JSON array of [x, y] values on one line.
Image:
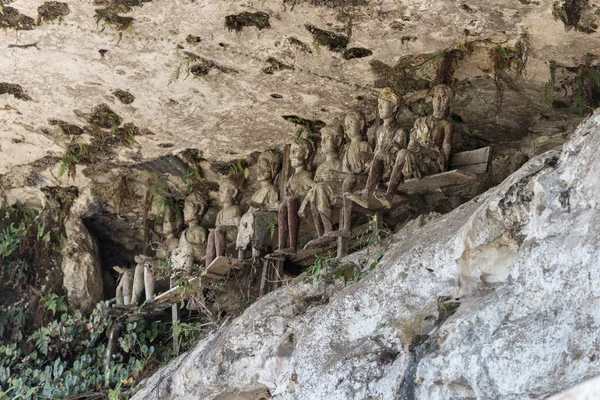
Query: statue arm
[[400, 139], [447, 143]]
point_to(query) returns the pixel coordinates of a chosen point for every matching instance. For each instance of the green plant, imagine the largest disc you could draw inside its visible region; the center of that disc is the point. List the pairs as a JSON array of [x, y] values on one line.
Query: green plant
[[549, 86], [522, 51], [191, 178], [54, 303], [569, 12], [68, 164], [238, 172], [186, 61], [319, 270], [9, 240], [67, 360], [501, 59], [272, 227]]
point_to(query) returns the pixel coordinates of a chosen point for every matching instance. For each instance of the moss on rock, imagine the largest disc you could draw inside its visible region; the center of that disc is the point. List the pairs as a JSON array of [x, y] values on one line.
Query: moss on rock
[[12, 18], [15, 90], [51, 10], [124, 96], [103, 117], [237, 22], [334, 41]]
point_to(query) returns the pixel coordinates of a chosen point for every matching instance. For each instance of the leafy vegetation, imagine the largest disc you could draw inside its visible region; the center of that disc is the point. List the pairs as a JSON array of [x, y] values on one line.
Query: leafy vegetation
[[69, 354], [68, 164]]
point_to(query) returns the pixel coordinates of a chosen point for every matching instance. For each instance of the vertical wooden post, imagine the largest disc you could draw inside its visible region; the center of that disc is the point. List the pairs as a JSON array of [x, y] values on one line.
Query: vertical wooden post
[[175, 317], [110, 348], [277, 271], [342, 246], [342, 240], [263, 277]]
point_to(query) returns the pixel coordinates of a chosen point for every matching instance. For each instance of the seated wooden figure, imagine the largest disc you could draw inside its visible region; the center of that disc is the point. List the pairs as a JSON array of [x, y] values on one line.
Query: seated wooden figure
[[295, 189], [390, 138], [254, 223], [192, 242], [428, 150], [170, 241], [321, 198], [355, 162], [227, 222]]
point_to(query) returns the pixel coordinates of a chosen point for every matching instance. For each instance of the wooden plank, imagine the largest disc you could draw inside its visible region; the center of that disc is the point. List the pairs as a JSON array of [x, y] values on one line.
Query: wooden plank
[[432, 182], [220, 266], [470, 157], [475, 169]]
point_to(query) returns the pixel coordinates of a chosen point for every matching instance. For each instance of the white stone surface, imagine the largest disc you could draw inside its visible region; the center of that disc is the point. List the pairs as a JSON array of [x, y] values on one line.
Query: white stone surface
[[225, 113], [523, 261]]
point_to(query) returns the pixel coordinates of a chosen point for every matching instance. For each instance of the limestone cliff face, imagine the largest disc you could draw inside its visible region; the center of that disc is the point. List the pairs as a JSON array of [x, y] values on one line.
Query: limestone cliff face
[[521, 260]]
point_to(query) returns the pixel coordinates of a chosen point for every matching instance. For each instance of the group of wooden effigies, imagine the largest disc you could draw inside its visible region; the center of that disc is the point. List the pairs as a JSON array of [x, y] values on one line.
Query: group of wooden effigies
[[350, 176]]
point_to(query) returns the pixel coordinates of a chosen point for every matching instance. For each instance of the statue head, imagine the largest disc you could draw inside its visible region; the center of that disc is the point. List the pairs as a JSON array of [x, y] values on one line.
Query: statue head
[[331, 140], [354, 124], [268, 165], [227, 191], [389, 102], [169, 223], [442, 98], [300, 152], [193, 207]]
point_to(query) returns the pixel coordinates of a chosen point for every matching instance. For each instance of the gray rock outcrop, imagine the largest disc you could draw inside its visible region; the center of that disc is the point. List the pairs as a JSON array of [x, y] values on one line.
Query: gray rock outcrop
[[497, 299], [82, 274]]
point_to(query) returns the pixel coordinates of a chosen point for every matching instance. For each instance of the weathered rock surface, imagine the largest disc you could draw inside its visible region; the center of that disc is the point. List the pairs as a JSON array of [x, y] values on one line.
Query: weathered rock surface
[[77, 58], [82, 274], [588, 390], [521, 259]]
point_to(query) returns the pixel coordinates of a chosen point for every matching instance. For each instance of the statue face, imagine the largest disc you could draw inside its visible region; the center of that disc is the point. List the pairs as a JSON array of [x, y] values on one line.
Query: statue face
[[226, 193], [168, 226], [441, 102], [296, 155], [352, 126], [190, 211], [327, 144], [263, 170], [386, 108]]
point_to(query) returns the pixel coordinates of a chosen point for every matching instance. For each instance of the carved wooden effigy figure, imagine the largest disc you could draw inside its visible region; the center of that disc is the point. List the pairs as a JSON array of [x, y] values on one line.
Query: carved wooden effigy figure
[[255, 222], [124, 288], [143, 278], [321, 198], [171, 241], [428, 150], [390, 138], [296, 188], [226, 224], [355, 162], [192, 242]]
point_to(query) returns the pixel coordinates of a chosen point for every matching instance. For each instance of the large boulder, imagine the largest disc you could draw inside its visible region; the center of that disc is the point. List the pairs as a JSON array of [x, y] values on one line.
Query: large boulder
[[495, 300], [82, 273]]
